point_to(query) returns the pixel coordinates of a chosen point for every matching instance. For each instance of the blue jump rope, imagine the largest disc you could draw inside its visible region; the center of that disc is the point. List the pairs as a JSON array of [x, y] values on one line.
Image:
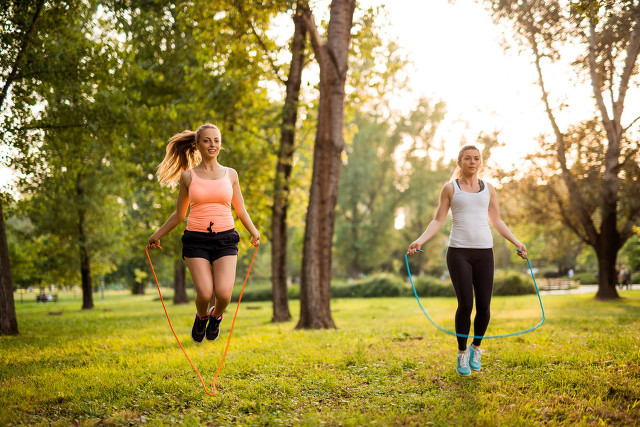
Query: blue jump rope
[[406, 260]]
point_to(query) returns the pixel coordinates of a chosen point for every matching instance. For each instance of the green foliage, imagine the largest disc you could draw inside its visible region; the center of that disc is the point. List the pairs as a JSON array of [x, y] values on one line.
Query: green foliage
[[376, 183], [113, 81], [384, 366], [386, 165], [66, 151], [591, 8], [186, 69], [512, 283]]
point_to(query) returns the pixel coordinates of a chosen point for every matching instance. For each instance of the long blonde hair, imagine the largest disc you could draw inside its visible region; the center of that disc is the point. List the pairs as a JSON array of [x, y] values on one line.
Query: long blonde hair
[[457, 172], [182, 154]]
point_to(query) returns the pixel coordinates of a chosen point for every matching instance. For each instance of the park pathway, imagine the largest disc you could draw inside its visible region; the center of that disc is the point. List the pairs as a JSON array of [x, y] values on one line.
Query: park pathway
[[583, 289]]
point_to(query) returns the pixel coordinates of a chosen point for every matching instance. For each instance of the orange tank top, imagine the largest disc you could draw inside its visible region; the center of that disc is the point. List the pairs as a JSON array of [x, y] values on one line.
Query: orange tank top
[[210, 204]]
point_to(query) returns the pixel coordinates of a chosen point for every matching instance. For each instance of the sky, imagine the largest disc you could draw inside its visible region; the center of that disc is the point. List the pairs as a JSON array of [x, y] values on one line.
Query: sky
[[458, 57]]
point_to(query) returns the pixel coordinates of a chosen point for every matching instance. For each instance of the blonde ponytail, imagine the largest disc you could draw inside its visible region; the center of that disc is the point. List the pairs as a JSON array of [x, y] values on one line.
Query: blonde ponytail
[[456, 173], [182, 154]]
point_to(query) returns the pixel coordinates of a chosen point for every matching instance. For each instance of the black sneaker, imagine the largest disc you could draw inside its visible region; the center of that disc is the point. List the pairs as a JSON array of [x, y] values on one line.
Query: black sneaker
[[213, 328], [199, 329]]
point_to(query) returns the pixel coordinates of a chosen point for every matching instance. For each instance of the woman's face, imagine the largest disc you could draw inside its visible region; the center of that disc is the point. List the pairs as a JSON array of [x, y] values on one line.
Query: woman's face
[[210, 143], [470, 161]]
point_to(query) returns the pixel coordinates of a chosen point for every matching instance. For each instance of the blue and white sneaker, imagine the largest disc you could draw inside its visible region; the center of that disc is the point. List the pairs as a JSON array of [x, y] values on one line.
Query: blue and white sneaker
[[474, 358], [463, 364]]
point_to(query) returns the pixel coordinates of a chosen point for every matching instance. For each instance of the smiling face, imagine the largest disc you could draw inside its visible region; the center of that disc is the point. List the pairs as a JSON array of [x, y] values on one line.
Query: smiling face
[[470, 161], [210, 143]]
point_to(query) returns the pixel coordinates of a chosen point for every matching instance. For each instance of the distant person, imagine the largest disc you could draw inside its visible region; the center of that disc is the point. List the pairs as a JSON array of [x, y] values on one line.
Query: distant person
[[209, 243], [570, 273], [625, 277], [473, 204]]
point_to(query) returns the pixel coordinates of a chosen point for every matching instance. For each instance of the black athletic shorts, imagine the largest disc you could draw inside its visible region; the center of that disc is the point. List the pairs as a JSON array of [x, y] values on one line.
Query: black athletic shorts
[[210, 246]]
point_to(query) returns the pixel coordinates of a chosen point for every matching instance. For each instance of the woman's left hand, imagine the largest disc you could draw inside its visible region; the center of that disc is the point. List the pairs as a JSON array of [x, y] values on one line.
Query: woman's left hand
[[255, 240]]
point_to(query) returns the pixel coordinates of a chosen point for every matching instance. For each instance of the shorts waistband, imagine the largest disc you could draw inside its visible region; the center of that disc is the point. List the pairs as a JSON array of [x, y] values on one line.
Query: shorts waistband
[[213, 233]]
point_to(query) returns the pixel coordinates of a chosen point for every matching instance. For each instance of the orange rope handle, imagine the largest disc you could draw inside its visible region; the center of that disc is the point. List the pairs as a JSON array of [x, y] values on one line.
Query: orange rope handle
[[224, 355]]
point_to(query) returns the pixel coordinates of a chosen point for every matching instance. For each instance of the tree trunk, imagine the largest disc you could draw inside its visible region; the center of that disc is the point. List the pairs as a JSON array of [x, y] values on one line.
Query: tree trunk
[[179, 282], [139, 288], [85, 267], [315, 291], [8, 320], [283, 173], [607, 252], [85, 263]]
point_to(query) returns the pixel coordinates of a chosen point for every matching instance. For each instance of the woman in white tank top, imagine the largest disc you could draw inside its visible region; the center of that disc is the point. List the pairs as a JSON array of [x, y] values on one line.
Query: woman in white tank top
[[473, 204]]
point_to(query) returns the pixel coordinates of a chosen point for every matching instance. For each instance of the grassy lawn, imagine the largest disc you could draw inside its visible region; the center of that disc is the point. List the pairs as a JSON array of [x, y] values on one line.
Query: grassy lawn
[[119, 364]]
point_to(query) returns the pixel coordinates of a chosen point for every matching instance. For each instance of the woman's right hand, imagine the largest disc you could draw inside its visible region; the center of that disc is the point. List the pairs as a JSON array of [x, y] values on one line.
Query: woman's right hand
[[413, 248], [154, 242], [522, 250]]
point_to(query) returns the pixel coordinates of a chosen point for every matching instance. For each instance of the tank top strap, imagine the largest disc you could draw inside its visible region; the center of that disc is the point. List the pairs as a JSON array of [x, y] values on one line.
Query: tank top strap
[[456, 186]]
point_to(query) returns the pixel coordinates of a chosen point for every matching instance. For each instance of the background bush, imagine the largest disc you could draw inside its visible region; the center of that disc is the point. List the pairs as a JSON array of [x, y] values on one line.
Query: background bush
[[377, 285], [429, 286], [392, 285], [586, 278], [510, 282]]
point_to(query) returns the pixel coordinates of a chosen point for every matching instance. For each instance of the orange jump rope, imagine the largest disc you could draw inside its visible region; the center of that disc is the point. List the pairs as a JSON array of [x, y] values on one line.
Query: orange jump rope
[[213, 383]]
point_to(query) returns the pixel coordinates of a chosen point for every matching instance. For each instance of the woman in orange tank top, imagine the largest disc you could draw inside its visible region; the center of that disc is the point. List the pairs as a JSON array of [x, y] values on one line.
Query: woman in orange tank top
[[209, 243]]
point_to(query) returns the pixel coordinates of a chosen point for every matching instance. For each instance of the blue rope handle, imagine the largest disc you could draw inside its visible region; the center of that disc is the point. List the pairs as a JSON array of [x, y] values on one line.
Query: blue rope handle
[[406, 260]]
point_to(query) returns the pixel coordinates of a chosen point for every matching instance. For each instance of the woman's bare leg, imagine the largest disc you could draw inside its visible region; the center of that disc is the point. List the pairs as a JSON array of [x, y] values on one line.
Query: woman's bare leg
[[224, 276], [202, 277]]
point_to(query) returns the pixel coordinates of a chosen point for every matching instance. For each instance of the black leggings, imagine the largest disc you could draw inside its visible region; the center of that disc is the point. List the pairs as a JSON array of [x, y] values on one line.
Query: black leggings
[[471, 269]]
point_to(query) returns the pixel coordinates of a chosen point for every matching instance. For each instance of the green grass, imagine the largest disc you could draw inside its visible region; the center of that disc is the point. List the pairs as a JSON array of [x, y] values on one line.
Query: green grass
[[386, 365]]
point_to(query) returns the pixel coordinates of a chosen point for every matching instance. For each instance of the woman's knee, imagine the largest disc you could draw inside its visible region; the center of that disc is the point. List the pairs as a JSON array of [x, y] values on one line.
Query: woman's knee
[[465, 308], [483, 313], [223, 298], [204, 294]]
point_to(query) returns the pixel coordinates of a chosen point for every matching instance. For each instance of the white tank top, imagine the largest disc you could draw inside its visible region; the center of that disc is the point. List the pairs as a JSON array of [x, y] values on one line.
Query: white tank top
[[470, 212]]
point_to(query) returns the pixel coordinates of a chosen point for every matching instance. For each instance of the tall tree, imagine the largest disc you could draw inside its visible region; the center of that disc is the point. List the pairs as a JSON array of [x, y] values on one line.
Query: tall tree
[[609, 39], [19, 20], [74, 173], [332, 58], [284, 165]]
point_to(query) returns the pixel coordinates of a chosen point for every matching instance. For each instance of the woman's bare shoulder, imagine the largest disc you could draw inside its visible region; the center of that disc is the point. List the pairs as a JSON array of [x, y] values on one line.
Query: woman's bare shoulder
[[185, 178], [233, 175], [447, 188]]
